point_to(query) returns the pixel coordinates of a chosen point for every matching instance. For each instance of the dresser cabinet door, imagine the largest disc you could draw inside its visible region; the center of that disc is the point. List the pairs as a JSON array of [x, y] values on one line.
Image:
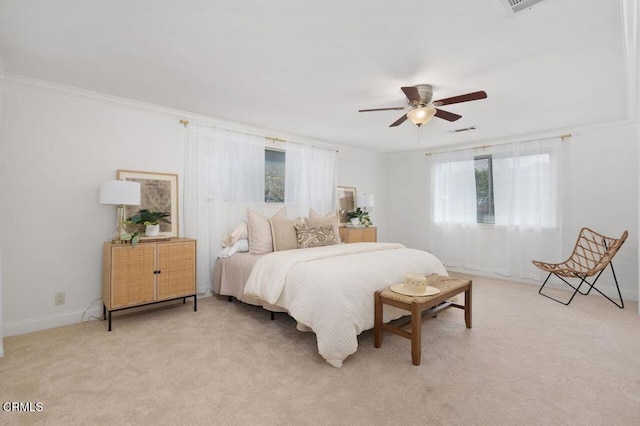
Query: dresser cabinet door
[[132, 275], [176, 266]]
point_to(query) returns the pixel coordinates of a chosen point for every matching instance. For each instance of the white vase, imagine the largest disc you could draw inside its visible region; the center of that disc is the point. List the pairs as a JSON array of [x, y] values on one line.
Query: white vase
[[355, 221], [152, 230]]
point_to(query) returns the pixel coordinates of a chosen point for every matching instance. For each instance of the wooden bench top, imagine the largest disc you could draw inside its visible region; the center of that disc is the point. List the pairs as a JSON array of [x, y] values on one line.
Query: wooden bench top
[[445, 284]]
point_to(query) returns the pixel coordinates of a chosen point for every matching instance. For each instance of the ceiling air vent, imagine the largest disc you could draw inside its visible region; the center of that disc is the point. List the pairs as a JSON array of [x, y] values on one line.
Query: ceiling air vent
[[519, 5], [464, 129]]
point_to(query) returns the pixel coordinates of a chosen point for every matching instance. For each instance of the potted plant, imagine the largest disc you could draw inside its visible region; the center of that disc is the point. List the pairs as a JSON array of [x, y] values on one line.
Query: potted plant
[[359, 217], [145, 220]]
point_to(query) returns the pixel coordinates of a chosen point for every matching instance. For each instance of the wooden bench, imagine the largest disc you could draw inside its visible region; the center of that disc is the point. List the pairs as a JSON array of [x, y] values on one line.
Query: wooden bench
[[416, 305]]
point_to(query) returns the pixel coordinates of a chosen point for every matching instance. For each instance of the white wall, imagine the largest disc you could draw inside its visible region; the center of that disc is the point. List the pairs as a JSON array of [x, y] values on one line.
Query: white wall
[[55, 153], [1, 325], [601, 193], [408, 181], [1, 316], [366, 172], [57, 147]]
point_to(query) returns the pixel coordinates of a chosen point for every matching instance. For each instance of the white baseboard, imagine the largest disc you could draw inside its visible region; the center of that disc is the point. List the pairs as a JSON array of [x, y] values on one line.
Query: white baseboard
[[609, 290], [30, 325], [14, 328]]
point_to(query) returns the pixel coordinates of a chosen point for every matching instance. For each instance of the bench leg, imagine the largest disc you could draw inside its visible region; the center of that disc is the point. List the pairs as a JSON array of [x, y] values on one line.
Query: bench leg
[[377, 323], [416, 333], [467, 307]]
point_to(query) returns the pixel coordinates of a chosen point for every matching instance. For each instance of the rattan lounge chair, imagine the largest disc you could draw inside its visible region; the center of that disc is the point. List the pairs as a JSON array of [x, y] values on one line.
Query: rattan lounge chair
[[591, 255]]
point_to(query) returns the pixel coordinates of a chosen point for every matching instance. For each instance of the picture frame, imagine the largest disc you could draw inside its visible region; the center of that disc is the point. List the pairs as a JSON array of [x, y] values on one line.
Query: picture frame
[[346, 202], [158, 193]]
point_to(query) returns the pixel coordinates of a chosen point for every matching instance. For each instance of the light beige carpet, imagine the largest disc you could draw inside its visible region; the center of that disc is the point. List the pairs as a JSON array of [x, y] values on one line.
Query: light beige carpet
[[527, 360]]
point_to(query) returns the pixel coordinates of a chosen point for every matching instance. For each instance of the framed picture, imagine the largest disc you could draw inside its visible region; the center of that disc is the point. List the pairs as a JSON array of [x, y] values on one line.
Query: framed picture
[[346, 203], [158, 193]]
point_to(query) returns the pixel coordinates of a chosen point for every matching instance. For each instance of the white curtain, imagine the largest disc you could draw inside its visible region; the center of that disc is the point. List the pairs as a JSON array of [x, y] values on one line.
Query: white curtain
[[526, 185], [311, 179], [453, 234], [527, 206], [224, 173]]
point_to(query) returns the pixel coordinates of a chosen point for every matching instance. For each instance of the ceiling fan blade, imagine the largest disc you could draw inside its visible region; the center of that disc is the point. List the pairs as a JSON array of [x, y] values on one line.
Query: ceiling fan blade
[[382, 109], [461, 98], [412, 93], [399, 121], [446, 115]]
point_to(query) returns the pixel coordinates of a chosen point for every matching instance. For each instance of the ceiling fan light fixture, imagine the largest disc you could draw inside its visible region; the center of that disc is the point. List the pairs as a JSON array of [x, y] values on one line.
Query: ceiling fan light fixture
[[421, 115]]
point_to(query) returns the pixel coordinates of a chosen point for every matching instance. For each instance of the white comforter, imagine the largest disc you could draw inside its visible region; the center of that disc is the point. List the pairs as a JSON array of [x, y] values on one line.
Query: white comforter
[[330, 289]]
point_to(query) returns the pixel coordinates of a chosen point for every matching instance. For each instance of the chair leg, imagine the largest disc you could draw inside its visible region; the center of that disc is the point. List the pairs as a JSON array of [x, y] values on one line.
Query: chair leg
[[559, 301], [583, 280], [615, 279]]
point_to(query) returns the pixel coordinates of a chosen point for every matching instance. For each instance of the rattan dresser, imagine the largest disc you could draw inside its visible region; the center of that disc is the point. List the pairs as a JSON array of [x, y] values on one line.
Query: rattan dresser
[[150, 272], [358, 235]]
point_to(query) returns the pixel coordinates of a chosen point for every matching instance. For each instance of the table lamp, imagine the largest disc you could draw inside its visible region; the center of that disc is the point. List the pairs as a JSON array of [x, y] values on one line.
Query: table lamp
[[365, 200], [120, 193]]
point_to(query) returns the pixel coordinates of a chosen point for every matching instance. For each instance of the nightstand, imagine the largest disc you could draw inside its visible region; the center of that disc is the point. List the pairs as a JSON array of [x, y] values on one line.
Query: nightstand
[[358, 235]]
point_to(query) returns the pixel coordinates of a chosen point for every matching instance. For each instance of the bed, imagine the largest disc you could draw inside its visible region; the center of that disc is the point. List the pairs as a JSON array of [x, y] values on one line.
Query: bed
[[328, 290]]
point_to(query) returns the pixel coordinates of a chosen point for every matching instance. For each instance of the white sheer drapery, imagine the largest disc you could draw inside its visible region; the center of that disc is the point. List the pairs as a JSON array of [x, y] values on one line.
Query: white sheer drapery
[[311, 179], [527, 202], [526, 186], [223, 170], [453, 235]]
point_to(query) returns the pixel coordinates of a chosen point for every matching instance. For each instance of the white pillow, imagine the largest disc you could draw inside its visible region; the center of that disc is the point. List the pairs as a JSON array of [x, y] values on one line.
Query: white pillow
[[240, 246], [239, 232], [260, 239]]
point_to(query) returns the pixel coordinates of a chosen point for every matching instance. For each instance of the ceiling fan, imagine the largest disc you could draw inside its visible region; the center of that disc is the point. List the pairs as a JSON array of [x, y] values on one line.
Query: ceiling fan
[[422, 109]]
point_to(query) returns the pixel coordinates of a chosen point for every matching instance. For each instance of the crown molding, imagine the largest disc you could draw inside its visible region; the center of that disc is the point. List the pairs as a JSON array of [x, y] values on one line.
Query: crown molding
[[21, 82]]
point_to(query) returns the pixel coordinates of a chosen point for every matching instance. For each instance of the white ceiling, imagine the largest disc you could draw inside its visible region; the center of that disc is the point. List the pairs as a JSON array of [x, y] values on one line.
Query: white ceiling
[[306, 67]]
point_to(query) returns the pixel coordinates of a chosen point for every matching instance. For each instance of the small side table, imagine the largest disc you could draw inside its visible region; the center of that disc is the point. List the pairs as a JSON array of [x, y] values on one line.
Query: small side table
[[358, 235], [416, 305]]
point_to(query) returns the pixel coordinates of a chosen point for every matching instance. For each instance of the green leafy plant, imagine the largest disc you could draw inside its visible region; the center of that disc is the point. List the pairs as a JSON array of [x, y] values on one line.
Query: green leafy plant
[[362, 215], [135, 224], [147, 217]]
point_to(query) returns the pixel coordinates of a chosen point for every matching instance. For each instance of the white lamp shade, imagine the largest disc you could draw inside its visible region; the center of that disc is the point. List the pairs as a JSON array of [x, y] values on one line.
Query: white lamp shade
[[120, 193], [422, 115], [365, 200]]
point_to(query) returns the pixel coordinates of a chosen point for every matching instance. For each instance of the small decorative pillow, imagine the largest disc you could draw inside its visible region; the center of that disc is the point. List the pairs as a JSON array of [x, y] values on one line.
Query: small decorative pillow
[[315, 219], [315, 236]]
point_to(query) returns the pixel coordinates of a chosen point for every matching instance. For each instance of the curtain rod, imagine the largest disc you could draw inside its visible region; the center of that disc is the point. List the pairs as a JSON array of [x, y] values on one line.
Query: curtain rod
[[185, 123], [563, 137]]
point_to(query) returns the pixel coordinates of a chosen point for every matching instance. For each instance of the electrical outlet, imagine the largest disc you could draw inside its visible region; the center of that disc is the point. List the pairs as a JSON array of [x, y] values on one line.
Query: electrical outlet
[[59, 300]]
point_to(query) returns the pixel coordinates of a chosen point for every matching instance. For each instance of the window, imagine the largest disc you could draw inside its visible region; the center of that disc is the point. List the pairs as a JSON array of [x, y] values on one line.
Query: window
[[484, 189], [274, 176], [507, 187]]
